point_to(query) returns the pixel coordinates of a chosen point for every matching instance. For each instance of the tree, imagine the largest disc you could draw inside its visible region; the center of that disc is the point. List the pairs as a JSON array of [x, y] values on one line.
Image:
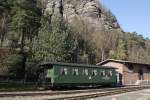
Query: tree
[[83, 33], [24, 24], [54, 42], [136, 47], [5, 8], [104, 41], [120, 52]]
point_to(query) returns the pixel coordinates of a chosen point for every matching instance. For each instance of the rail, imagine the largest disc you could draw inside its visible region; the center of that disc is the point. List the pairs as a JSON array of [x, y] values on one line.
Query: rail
[[74, 94]]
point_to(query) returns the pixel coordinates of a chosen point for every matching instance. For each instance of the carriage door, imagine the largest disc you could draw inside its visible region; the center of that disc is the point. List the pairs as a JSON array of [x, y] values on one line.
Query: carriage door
[[49, 75], [41, 77]]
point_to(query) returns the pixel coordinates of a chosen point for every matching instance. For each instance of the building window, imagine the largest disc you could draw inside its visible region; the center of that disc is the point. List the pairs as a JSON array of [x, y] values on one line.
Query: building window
[[75, 72], [148, 68], [85, 72], [141, 74], [130, 67], [63, 71]]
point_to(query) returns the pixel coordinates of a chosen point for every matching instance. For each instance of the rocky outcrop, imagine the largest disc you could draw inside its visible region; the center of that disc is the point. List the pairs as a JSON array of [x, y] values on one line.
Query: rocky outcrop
[[87, 10]]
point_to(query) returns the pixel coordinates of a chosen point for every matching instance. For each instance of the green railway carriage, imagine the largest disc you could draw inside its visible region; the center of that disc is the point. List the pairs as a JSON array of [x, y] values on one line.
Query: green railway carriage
[[67, 74]]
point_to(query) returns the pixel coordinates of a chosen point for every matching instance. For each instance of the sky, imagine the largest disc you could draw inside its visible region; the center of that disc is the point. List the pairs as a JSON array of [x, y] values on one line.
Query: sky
[[132, 15]]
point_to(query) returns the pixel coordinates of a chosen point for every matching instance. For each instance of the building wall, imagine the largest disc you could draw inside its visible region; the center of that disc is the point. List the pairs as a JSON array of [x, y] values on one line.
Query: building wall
[[119, 66], [130, 77]]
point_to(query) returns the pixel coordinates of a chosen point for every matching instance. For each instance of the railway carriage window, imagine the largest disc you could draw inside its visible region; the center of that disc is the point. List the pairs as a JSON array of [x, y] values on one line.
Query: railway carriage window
[[75, 72], [64, 71], [85, 72], [102, 73], [110, 73], [94, 72]]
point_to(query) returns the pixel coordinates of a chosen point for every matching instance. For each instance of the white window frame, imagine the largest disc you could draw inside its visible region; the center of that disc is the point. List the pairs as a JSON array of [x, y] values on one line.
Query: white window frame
[[102, 73], [95, 72], [64, 71], [75, 71], [85, 72]]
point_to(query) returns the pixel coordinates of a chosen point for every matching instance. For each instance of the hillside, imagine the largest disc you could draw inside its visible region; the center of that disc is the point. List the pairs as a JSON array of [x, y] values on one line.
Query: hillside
[[97, 23], [78, 31]]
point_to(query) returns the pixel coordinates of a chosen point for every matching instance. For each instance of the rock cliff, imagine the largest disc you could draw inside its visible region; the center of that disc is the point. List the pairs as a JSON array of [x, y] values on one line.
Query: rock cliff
[[90, 11]]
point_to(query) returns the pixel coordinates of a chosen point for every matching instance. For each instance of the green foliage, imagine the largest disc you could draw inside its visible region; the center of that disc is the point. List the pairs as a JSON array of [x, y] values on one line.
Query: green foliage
[[46, 40], [135, 39], [25, 17], [5, 6], [137, 48], [54, 42], [120, 52], [17, 87], [20, 19], [23, 26], [14, 64]]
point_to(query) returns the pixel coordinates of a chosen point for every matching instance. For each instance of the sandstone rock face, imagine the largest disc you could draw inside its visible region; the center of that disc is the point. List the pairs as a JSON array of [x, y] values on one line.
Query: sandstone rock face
[[86, 10]]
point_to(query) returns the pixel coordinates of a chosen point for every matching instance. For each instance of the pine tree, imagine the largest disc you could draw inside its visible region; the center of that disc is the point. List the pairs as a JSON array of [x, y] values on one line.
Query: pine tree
[[54, 42], [5, 8], [24, 24]]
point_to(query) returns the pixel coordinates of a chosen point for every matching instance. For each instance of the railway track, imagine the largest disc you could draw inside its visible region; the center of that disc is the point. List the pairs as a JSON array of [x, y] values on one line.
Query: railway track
[[73, 94]]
